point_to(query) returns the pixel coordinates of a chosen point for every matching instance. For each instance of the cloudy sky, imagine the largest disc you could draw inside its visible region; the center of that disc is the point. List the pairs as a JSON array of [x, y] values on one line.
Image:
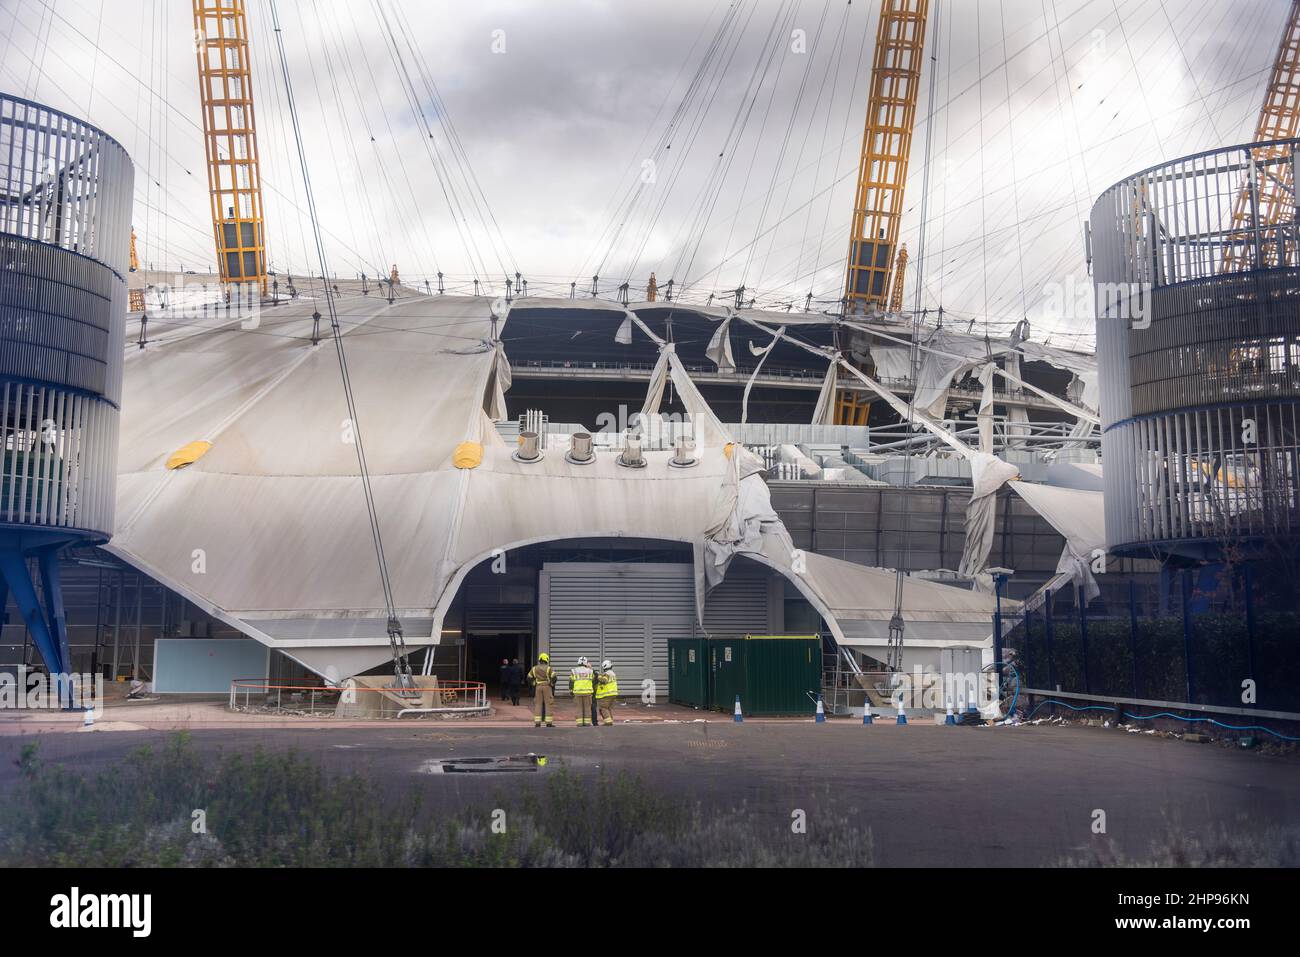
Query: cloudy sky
[[711, 142]]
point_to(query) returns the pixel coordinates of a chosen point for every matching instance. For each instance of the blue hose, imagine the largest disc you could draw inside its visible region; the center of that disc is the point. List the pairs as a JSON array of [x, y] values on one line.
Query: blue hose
[[1165, 714]]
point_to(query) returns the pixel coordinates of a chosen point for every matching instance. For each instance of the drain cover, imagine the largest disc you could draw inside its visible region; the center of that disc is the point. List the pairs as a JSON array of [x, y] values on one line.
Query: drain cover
[[510, 764]]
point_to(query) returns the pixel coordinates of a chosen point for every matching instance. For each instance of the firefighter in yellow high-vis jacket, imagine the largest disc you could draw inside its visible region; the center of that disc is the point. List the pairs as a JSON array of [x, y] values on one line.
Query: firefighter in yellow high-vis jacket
[[606, 692], [543, 678], [581, 681]]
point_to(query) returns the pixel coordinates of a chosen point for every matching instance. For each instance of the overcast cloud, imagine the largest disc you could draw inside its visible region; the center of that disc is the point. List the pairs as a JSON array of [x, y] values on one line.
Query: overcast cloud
[[559, 107]]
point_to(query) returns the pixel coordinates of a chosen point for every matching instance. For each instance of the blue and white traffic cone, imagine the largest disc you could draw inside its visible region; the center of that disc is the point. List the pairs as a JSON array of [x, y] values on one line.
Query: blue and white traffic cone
[[867, 716], [972, 705], [736, 715], [821, 711], [949, 718], [902, 712]]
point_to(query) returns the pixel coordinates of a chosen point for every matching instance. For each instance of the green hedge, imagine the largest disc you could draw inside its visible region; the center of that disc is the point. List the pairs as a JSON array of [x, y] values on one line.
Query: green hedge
[[1219, 653]]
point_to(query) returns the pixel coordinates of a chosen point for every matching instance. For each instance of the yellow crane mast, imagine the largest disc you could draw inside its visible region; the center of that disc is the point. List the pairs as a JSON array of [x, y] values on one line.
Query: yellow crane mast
[[230, 140], [900, 276], [1270, 187], [882, 171]]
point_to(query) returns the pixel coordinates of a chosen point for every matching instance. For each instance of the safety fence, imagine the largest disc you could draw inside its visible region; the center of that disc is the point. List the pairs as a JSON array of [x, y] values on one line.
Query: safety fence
[[350, 699], [1184, 642]]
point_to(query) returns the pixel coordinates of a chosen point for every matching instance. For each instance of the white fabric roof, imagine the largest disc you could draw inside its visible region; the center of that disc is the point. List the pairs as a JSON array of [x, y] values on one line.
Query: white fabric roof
[[1077, 514], [268, 530]]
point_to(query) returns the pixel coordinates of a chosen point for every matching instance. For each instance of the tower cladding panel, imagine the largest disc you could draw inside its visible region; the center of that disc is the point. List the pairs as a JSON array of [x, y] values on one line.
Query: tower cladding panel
[[65, 232], [1198, 340]]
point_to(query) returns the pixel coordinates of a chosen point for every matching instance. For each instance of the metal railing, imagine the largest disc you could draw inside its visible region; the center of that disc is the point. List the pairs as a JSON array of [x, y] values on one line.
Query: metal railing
[[1198, 217], [451, 697], [64, 183]]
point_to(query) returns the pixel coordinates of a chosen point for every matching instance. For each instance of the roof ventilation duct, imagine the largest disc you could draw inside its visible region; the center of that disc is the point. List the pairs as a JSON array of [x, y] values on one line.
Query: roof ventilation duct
[[530, 448], [684, 454], [632, 457], [580, 450]]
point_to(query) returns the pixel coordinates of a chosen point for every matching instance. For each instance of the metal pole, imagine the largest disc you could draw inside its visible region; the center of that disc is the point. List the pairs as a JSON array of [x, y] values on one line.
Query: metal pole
[[1187, 632], [1133, 633], [117, 626], [139, 621], [1082, 602], [1048, 611], [997, 621], [1250, 625], [1025, 679], [99, 619]]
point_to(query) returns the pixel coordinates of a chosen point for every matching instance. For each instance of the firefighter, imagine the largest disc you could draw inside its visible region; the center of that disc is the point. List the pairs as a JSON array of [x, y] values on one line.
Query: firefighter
[[606, 691], [580, 683], [543, 677]]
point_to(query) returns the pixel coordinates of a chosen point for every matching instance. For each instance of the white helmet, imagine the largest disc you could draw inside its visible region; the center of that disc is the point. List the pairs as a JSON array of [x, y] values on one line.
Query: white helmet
[[582, 660], [606, 665]]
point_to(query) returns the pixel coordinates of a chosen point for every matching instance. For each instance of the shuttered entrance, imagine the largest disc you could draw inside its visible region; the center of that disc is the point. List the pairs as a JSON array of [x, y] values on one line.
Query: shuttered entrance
[[629, 612]]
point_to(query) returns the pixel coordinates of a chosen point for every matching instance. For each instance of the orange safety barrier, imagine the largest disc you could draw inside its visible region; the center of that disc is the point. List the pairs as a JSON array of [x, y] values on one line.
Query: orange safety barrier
[[451, 696]]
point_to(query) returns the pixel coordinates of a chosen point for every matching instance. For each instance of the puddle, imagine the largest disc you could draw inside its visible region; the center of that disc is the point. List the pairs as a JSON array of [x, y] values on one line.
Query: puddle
[[511, 764]]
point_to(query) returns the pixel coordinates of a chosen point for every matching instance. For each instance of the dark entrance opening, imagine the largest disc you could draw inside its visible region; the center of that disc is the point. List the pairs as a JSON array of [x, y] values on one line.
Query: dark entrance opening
[[484, 654]]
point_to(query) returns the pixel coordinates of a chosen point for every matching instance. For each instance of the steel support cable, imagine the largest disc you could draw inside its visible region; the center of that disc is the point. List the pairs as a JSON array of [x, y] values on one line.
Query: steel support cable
[[836, 54], [997, 293], [779, 29], [693, 117], [690, 112], [787, 182], [897, 627], [403, 211], [1015, 181], [696, 119], [451, 195], [844, 135], [1218, 137], [685, 126], [771, 229], [785, 142], [846, 142], [615, 201], [739, 123], [984, 219], [401, 665], [945, 107], [449, 130], [365, 262], [275, 108], [422, 123], [135, 75], [715, 171], [979, 123], [349, 137], [1053, 59]]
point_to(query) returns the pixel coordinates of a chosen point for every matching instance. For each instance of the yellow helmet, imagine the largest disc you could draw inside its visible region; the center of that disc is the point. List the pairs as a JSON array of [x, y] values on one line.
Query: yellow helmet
[[544, 658]]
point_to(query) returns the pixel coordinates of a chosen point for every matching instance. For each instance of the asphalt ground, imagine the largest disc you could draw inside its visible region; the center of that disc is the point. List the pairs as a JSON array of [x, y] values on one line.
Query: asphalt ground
[[931, 796]]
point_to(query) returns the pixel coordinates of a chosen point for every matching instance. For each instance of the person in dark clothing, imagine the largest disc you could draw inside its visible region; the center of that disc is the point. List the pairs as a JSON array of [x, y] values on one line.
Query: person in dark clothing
[[503, 676], [514, 680]]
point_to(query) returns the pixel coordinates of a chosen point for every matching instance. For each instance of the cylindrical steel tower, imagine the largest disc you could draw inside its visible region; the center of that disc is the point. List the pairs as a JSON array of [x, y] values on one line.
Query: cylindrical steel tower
[[1197, 285], [65, 233]]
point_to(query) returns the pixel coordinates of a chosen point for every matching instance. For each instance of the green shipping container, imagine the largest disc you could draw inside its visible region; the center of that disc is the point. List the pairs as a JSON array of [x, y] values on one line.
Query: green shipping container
[[688, 672], [772, 674]]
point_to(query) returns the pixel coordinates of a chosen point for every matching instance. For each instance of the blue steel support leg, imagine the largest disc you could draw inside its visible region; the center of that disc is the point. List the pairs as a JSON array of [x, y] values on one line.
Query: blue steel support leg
[[52, 584], [20, 583]]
